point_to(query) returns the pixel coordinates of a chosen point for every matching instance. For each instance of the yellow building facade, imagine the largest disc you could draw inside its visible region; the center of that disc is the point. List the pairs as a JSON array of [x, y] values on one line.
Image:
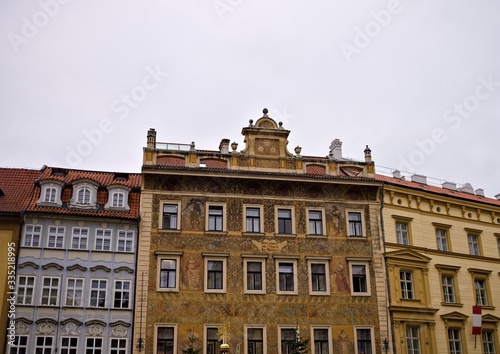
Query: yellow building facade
[[250, 248], [443, 258]]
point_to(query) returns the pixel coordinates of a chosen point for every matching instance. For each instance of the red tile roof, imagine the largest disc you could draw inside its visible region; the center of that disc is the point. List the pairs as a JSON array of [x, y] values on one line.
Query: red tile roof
[[437, 190], [17, 185]]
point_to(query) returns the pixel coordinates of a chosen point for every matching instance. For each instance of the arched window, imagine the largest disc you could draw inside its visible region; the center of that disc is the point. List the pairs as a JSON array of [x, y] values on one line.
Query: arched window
[[84, 195], [118, 198], [50, 195]]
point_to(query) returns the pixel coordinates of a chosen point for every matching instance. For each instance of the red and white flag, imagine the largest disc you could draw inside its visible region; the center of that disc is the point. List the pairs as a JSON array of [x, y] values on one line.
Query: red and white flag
[[476, 320]]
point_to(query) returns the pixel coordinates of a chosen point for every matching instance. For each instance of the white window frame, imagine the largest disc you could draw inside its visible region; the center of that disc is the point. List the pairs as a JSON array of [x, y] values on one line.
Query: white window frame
[[56, 234], [178, 214], [455, 340], [261, 218], [217, 258], [46, 193], [264, 336], [262, 261], [84, 195], [127, 238], [326, 263], [117, 199], [205, 336], [17, 348], [292, 219], [99, 292], [26, 287], [177, 260], [405, 292], [330, 344], [76, 291], [118, 349], [43, 347], [474, 247], [51, 288], [80, 237], [322, 220], [362, 221], [402, 232], [106, 235], [447, 294], [366, 264], [280, 339], [70, 347], [481, 293], [442, 239], [122, 291], [163, 325], [372, 338], [94, 349], [50, 194], [489, 342], [36, 231], [293, 261], [413, 350], [224, 216]]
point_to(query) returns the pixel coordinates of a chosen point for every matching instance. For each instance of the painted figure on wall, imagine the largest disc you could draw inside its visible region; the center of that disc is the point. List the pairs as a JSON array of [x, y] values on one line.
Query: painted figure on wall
[[193, 274], [343, 341], [193, 214], [341, 279]]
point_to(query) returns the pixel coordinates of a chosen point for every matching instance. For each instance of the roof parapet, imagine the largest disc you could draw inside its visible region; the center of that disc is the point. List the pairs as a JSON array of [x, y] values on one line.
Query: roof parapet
[[467, 188], [419, 178]]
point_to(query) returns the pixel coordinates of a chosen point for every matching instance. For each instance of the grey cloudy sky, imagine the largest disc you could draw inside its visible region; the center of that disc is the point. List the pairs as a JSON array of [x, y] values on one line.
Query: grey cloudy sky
[[416, 80]]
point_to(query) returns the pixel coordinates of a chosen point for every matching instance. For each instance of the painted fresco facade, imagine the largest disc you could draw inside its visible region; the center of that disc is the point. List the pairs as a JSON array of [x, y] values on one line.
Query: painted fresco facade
[[443, 258], [76, 265], [248, 247]]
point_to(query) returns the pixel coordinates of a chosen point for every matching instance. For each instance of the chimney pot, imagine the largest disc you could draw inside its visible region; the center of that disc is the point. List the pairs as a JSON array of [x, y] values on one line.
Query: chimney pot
[[419, 179]]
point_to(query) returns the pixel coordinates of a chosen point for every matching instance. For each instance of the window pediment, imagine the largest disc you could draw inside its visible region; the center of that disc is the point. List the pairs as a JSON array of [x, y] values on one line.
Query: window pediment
[[50, 193], [84, 194], [117, 198], [407, 256], [454, 316]]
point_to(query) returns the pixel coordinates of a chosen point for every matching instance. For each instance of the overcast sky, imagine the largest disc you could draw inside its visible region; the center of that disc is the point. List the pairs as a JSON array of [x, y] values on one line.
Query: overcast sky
[[418, 81]]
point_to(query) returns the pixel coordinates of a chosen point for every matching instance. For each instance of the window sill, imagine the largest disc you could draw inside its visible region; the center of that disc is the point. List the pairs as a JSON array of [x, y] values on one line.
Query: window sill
[[488, 307], [285, 235], [316, 236], [170, 230], [247, 233], [354, 237], [166, 290], [452, 304], [215, 232], [410, 300], [286, 293], [361, 294], [319, 293], [250, 292]]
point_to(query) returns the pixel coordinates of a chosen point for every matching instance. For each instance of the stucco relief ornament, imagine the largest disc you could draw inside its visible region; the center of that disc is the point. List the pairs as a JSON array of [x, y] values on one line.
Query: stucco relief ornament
[[22, 328], [46, 328], [71, 329], [95, 330], [119, 331]]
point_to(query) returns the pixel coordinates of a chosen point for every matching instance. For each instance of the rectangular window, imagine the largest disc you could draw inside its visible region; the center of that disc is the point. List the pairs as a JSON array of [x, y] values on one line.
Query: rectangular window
[[473, 245], [406, 279], [413, 339], [25, 287], [98, 289], [79, 238], [93, 346], [50, 195], [454, 341], [359, 279], [319, 278], [284, 221], [32, 235], [402, 233], [442, 239], [20, 345], [364, 341], [74, 292], [321, 340], [215, 218], [168, 273], [215, 274], [315, 222], [83, 195], [488, 342], [254, 277], [255, 340], [69, 345], [170, 216], [102, 240], [125, 241], [118, 199], [165, 340], [213, 343], [44, 345], [286, 276], [56, 237], [122, 294], [481, 294], [355, 224], [118, 346], [50, 291], [448, 289], [252, 219], [287, 336]]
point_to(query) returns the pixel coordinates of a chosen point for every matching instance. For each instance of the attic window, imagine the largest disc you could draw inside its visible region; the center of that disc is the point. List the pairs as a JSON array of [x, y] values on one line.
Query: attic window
[[59, 172], [121, 177], [1, 193], [203, 164]]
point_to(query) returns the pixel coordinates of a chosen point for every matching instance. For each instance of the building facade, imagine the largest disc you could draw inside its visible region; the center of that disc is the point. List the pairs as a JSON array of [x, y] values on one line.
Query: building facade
[[443, 258], [254, 247], [76, 263]]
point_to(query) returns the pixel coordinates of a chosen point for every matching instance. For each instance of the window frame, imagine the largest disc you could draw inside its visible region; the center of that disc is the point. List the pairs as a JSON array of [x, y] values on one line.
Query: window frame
[[70, 347], [107, 235], [178, 218], [214, 258], [99, 292], [16, 349], [117, 199], [361, 212], [168, 257], [404, 289], [50, 193], [403, 220], [294, 262], [474, 235], [24, 296], [356, 347], [326, 263], [57, 236], [277, 219], [413, 350], [482, 275], [450, 272], [33, 242], [260, 218], [322, 220], [253, 259], [455, 340], [94, 349], [280, 337], [123, 236], [223, 217], [366, 264], [491, 341], [157, 326], [75, 289], [313, 338], [264, 337], [118, 350], [80, 238], [84, 195], [51, 288], [122, 292], [44, 346], [445, 236]]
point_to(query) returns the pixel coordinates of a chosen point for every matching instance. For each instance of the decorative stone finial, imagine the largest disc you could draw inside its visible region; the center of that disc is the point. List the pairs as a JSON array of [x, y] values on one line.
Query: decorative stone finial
[[298, 149], [265, 111], [280, 125], [368, 154], [251, 123]]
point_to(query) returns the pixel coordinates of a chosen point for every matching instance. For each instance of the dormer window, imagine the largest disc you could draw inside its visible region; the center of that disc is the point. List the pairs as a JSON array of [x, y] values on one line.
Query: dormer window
[[117, 197], [50, 193], [84, 195]]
